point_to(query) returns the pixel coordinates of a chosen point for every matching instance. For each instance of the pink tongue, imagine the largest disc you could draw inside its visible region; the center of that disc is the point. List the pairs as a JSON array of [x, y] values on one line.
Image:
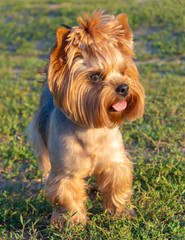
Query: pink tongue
[[120, 106]]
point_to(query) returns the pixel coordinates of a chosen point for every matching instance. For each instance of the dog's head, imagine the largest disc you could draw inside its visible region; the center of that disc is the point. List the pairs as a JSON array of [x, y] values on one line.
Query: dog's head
[[91, 73]]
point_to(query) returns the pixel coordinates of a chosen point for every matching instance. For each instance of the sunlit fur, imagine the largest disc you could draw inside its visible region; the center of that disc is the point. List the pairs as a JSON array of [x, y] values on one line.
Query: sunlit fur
[[74, 132], [102, 44]]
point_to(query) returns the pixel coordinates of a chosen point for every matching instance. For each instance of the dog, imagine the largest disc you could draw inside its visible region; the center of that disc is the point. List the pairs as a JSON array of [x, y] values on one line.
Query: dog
[[92, 88]]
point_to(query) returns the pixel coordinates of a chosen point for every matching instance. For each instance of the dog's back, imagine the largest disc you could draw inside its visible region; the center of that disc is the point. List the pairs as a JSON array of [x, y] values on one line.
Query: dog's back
[[45, 109], [38, 129]]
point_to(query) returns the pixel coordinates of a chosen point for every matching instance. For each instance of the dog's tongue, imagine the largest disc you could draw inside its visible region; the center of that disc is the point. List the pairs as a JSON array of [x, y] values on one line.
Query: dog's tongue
[[120, 106]]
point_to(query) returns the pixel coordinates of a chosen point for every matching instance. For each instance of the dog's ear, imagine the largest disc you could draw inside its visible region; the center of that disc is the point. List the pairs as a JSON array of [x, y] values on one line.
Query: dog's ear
[[57, 59], [123, 21], [59, 52]]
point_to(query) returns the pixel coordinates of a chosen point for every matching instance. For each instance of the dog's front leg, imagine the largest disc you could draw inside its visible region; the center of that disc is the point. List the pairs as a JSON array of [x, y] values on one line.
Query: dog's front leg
[[66, 192], [115, 185]]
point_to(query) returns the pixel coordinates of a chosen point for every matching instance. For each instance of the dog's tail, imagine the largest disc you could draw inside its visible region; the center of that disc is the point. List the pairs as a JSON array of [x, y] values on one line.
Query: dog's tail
[[38, 145]]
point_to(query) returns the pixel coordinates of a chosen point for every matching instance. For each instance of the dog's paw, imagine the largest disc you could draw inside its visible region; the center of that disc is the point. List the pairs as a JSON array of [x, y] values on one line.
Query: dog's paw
[[61, 218]]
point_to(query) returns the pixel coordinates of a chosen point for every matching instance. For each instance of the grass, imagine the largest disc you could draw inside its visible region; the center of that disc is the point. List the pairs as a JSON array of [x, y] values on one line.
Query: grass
[[156, 142]]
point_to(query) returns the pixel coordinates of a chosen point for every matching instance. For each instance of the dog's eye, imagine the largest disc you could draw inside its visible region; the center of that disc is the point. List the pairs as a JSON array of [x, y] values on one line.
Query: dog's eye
[[96, 77], [123, 73]]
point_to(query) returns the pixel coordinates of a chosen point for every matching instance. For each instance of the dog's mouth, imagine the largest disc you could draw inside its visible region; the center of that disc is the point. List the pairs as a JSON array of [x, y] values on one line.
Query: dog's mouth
[[118, 106]]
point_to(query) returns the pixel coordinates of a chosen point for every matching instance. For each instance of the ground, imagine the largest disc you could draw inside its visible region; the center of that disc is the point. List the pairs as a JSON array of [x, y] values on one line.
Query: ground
[[155, 142]]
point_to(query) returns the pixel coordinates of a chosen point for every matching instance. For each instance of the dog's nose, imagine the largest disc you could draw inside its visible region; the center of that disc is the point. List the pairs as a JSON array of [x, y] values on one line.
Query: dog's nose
[[123, 90]]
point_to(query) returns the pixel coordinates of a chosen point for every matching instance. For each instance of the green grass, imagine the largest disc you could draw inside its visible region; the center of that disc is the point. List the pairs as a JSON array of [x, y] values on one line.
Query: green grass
[[156, 142]]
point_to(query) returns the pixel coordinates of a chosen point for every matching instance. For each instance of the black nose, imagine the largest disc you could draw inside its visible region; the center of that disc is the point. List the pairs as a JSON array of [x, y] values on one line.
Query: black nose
[[123, 90]]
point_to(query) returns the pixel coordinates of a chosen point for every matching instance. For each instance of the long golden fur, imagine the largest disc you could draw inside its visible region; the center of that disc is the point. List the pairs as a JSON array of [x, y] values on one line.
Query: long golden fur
[[93, 87]]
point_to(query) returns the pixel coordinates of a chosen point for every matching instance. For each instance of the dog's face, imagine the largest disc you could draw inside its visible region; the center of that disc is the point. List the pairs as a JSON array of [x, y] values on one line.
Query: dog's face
[[91, 73]]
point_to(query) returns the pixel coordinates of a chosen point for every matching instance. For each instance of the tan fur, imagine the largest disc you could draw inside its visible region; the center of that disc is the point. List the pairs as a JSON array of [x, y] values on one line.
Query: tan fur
[[40, 150], [79, 136], [101, 47]]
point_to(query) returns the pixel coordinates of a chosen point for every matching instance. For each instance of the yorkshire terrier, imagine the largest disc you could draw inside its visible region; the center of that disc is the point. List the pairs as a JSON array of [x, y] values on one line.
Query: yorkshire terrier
[[92, 89]]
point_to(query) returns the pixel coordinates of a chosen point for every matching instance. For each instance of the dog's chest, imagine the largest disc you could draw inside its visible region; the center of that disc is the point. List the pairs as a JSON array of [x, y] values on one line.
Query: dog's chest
[[100, 142]]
